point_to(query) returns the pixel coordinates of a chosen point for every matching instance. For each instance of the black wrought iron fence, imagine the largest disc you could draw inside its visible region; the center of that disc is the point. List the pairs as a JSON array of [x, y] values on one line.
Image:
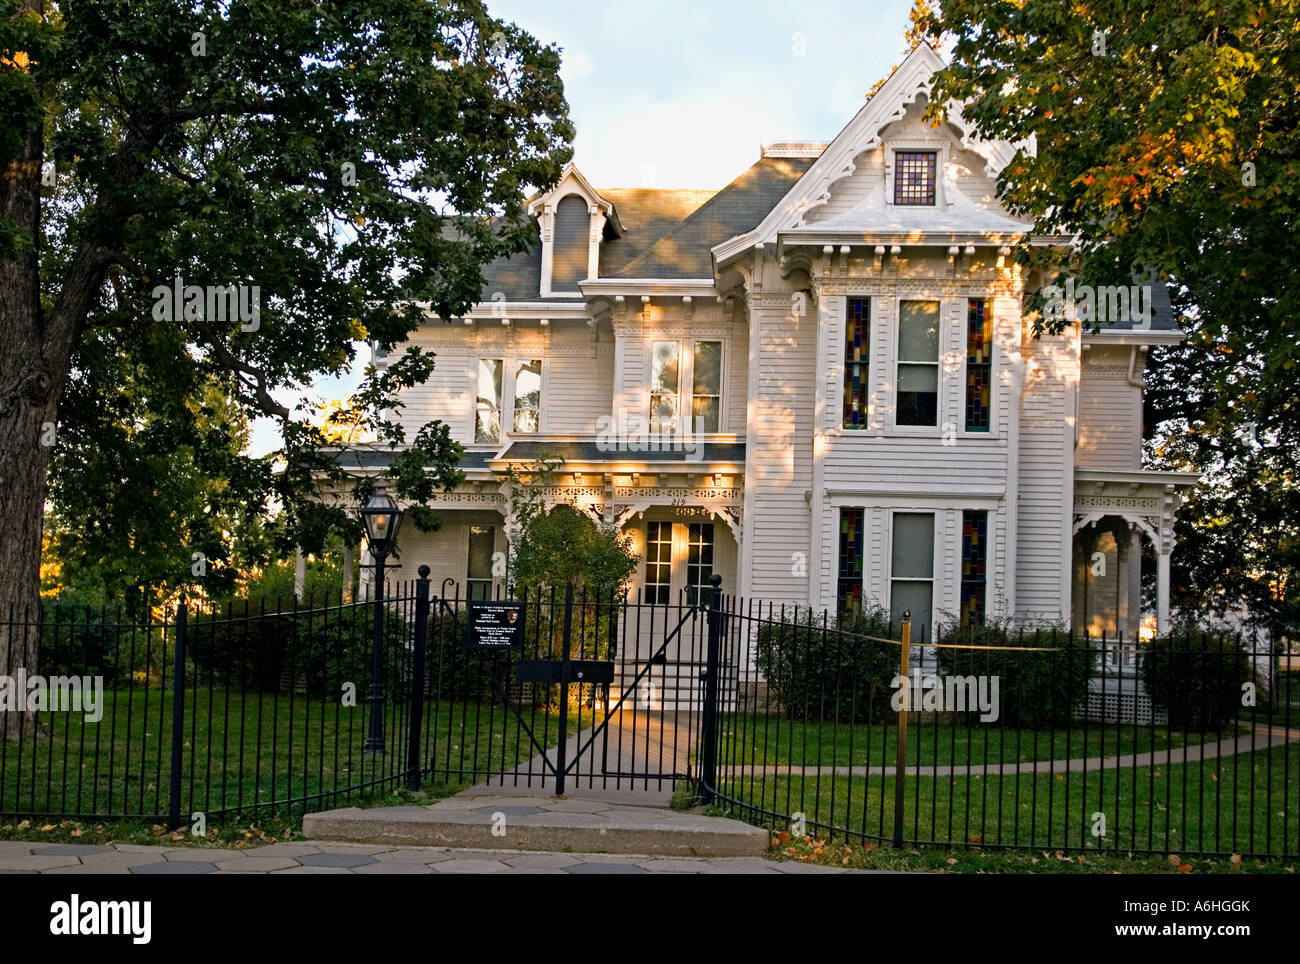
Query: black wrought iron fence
[[252, 708], [246, 707], [1188, 743]]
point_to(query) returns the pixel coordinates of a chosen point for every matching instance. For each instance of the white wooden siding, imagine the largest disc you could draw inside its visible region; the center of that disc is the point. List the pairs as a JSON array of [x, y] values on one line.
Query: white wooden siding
[[778, 454], [1110, 411], [1046, 476]]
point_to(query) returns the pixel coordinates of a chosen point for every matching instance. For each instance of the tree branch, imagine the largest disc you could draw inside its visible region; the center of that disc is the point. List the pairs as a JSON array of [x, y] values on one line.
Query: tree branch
[[241, 368]]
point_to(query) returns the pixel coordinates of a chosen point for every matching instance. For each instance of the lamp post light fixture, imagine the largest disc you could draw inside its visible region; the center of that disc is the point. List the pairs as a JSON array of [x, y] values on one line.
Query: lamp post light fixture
[[382, 518]]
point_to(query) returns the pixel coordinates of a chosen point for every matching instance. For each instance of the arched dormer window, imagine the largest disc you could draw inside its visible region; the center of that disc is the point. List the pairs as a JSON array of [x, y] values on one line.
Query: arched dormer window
[[573, 219], [571, 252]]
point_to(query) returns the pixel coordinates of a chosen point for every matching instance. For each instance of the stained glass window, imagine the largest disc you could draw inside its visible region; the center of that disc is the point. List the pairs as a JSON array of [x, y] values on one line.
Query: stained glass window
[[974, 555], [857, 334], [979, 364], [849, 586], [914, 177]]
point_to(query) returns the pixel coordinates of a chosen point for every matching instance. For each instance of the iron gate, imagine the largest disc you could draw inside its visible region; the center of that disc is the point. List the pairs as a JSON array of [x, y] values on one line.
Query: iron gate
[[602, 691]]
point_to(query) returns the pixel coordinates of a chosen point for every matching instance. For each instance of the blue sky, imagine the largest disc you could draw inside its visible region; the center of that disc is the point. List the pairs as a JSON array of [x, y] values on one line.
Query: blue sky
[[674, 93]]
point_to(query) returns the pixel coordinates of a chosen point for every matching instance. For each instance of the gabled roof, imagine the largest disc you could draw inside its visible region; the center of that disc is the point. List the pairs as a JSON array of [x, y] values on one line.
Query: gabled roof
[[678, 235], [666, 233], [648, 214], [911, 80]]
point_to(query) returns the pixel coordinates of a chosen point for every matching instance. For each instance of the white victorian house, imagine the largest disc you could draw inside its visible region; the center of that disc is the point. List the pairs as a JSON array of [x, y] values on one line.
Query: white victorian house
[[817, 381]]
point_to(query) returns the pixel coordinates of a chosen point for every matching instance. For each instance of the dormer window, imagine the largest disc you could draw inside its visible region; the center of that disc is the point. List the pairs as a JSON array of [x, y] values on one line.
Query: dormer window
[[570, 256], [572, 219], [914, 175]]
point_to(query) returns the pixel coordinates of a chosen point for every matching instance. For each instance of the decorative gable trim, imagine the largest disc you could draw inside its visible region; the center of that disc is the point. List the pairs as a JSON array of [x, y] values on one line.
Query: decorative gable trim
[[912, 79]]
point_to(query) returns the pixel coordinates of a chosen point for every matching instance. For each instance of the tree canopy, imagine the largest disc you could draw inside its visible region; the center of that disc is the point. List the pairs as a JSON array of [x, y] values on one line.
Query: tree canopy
[[306, 174]]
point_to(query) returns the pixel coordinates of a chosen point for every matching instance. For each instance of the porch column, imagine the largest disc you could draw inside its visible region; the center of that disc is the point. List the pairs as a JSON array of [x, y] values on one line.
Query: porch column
[[299, 574], [1133, 615], [1162, 585]]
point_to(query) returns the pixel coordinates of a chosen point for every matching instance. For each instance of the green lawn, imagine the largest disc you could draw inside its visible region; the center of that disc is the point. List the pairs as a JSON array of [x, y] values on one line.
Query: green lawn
[[766, 739], [1247, 804], [246, 752]]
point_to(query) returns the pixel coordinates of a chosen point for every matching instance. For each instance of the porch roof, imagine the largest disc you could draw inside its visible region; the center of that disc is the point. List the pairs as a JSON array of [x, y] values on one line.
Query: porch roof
[[702, 457], [369, 459]]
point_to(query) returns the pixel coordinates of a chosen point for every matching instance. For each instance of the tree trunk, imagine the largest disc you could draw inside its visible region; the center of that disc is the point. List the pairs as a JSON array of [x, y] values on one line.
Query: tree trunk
[[30, 381], [23, 463]]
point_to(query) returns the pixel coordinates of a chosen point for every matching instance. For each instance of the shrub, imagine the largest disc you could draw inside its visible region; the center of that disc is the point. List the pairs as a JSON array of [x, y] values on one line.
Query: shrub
[[1035, 689], [832, 671], [1196, 676], [317, 648], [80, 640]]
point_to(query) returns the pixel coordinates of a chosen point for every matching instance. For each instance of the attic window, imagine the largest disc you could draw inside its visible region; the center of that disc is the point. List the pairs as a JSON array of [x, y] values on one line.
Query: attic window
[[570, 257], [914, 177]]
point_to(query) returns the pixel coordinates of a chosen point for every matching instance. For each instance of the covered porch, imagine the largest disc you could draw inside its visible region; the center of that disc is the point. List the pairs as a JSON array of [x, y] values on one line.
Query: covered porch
[[1120, 518]]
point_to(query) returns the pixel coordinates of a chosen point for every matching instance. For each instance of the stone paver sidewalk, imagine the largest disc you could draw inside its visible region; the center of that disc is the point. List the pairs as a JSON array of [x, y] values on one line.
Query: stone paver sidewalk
[[324, 857]]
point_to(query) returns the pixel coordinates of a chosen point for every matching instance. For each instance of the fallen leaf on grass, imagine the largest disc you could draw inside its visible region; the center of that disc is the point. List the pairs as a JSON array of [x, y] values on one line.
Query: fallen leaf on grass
[[1235, 860]]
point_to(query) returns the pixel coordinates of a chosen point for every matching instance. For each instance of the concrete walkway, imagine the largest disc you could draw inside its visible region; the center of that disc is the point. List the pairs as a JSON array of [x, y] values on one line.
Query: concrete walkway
[[631, 761], [33, 857], [1261, 738]]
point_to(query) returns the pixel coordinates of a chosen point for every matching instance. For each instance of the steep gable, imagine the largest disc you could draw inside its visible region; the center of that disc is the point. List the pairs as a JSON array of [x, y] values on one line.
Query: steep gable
[[859, 141]]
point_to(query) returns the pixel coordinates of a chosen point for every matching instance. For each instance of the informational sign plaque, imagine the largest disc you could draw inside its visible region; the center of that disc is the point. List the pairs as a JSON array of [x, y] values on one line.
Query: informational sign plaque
[[496, 625]]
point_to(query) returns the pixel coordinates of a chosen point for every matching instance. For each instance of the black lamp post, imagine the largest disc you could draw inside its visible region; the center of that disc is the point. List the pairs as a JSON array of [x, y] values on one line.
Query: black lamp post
[[382, 518]]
